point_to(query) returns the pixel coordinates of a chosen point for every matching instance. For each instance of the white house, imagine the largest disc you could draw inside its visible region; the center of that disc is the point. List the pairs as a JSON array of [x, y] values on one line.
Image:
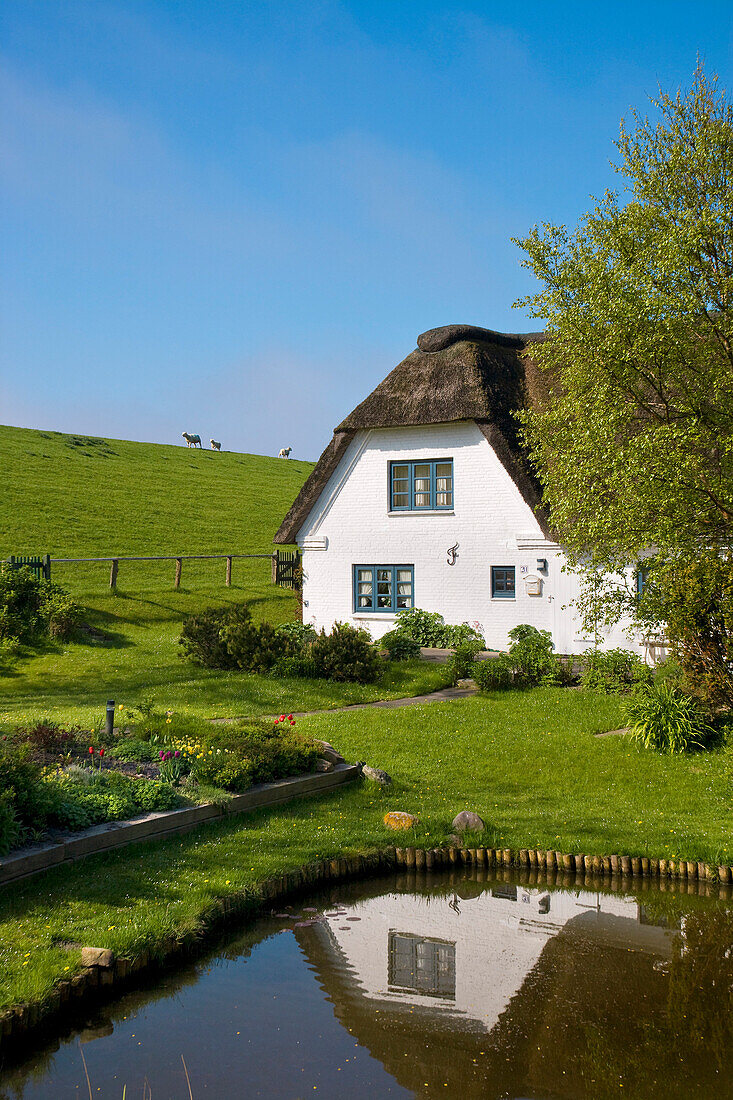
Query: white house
[[423, 498]]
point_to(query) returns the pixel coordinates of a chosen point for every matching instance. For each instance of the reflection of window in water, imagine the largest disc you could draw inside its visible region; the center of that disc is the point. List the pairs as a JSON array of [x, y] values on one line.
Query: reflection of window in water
[[504, 890], [421, 965], [544, 904]]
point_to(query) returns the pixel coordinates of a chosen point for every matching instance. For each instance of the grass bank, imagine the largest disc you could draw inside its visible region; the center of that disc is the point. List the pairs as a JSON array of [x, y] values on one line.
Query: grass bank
[[78, 496], [528, 762]]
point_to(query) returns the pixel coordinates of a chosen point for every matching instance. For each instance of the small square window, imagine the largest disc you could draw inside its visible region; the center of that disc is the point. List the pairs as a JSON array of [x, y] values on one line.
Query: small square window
[[383, 587], [502, 581], [421, 486]]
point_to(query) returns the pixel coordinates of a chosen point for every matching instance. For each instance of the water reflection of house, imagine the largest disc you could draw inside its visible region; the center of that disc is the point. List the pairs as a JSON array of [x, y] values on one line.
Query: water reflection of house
[[495, 994]]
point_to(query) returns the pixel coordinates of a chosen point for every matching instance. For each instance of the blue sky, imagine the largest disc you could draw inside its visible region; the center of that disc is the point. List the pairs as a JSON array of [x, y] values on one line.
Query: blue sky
[[235, 218]]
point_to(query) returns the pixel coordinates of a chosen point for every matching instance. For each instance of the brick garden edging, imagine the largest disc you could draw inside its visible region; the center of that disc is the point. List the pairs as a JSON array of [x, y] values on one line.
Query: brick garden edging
[[157, 826], [106, 975]]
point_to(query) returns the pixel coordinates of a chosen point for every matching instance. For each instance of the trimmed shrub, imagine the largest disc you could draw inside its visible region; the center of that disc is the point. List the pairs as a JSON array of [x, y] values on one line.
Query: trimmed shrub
[[347, 653], [201, 635], [613, 670], [256, 647], [665, 719], [399, 645]]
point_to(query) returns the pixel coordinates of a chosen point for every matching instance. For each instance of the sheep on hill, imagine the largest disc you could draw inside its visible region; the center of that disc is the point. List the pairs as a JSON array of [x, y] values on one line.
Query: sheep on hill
[[192, 440]]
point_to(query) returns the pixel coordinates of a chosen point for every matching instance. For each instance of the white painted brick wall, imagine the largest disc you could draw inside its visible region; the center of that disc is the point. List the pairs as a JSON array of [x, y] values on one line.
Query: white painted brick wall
[[489, 513]]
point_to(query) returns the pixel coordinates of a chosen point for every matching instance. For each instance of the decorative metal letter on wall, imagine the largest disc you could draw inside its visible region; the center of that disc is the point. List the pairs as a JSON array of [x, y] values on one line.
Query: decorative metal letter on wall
[[453, 554]]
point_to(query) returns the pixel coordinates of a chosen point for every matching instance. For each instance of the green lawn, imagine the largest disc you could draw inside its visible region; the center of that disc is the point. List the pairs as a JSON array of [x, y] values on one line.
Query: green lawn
[[528, 762]]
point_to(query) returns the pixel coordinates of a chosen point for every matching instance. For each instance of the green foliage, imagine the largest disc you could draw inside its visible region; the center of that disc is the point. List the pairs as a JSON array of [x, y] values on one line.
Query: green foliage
[[665, 719], [21, 780], [494, 674], [299, 635], [296, 667], [613, 670], [347, 653], [531, 656], [428, 628], [61, 613], [400, 645], [31, 608], [235, 758], [530, 661], [8, 823], [462, 662], [633, 427], [202, 638], [256, 647], [135, 749], [692, 595]]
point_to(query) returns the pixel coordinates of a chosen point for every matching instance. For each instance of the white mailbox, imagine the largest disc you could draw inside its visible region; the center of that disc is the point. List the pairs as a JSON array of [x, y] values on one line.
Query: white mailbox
[[533, 584]]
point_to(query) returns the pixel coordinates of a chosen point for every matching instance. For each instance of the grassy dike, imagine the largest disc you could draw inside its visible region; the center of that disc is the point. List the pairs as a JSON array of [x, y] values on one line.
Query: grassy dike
[[528, 762]]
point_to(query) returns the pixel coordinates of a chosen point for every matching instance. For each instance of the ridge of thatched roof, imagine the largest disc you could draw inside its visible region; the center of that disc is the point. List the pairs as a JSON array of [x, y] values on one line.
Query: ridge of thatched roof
[[457, 372]]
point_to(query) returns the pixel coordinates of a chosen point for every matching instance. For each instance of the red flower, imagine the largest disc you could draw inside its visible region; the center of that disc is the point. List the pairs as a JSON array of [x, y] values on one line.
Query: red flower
[[101, 752], [91, 750], [290, 718]]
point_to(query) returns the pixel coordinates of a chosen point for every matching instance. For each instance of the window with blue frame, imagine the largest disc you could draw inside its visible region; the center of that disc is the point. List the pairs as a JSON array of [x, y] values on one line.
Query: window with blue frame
[[502, 581], [421, 486], [383, 587]]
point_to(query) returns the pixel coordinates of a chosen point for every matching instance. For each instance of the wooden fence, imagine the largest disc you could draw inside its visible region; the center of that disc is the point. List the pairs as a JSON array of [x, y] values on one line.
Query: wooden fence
[[40, 567], [284, 564], [286, 568]]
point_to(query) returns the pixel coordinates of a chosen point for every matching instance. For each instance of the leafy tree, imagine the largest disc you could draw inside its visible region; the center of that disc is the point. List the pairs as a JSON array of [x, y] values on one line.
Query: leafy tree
[[634, 437]]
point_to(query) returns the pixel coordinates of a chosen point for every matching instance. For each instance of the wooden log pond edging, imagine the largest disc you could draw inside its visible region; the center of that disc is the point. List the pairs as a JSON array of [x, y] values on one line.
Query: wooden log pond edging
[[104, 976], [164, 823]]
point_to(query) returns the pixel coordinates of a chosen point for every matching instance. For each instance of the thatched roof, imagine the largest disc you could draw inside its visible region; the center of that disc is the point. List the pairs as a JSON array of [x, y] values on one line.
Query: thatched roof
[[457, 372]]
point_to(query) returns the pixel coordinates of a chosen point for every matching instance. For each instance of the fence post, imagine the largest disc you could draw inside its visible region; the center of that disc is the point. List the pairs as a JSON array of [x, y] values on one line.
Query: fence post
[[179, 570], [229, 572], [275, 557], [47, 566], [113, 573]]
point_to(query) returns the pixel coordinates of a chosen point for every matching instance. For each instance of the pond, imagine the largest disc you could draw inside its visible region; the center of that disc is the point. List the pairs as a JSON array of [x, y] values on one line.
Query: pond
[[477, 985]]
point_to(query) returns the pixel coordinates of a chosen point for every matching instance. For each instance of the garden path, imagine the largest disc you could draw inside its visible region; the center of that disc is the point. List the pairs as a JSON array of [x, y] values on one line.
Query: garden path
[[442, 696]]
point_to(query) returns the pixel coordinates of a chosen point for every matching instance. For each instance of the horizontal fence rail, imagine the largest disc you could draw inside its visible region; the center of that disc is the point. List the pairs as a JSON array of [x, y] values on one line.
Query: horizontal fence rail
[[284, 564]]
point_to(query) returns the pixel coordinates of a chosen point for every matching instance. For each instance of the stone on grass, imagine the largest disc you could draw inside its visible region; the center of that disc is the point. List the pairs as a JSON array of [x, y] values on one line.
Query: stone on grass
[[97, 956], [376, 775], [398, 819], [328, 752], [323, 765], [467, 819]]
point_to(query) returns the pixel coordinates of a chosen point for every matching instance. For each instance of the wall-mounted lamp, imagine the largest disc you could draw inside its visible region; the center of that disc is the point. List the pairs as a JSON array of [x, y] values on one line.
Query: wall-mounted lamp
[[542, 565]]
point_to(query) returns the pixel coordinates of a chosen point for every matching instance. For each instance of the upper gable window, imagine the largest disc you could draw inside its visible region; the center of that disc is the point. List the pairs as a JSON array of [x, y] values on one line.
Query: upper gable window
[[421, 486]]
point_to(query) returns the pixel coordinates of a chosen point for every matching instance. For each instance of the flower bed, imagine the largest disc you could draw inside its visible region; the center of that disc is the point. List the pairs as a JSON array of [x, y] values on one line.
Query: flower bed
[[55, 779]]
